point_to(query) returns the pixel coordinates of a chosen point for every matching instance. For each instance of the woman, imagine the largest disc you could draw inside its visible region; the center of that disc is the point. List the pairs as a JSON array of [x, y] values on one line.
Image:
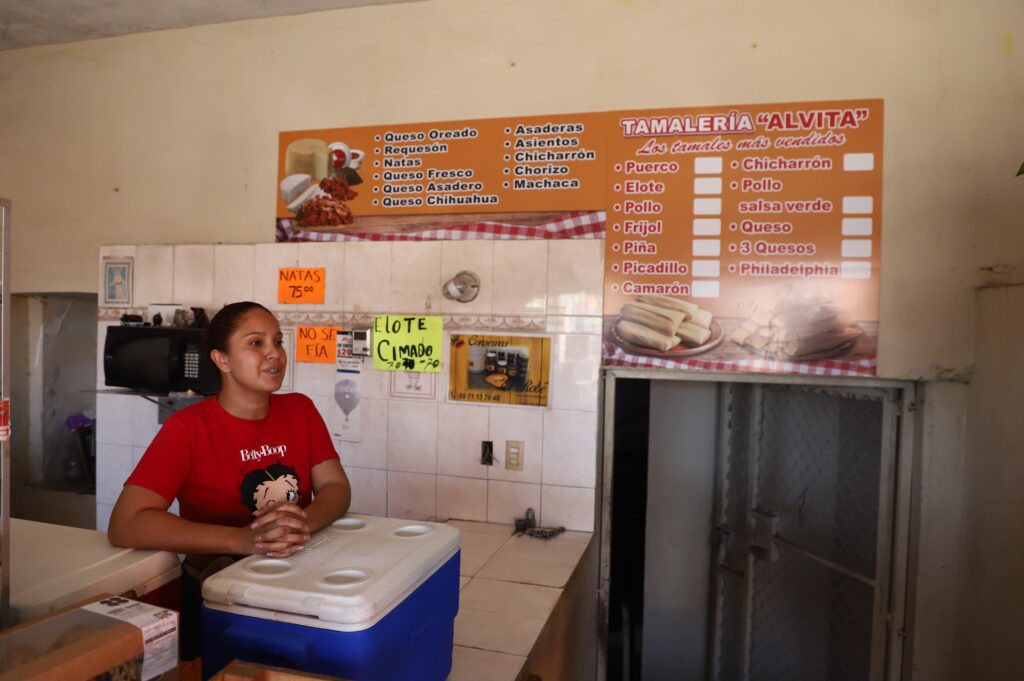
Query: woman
[[253, 471]]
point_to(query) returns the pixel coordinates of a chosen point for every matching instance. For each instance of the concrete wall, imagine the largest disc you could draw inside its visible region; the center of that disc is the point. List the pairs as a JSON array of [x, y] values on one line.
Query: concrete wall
[[53, 346], [67, 341], [940, 441], [171, 137], [990, 613]]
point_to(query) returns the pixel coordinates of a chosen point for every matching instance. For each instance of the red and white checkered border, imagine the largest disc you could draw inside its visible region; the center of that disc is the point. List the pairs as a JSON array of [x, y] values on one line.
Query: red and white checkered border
[[616, 356], [573, 225]]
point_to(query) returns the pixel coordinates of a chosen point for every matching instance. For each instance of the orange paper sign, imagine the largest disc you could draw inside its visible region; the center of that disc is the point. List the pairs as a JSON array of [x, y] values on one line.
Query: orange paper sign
[[301, 285], [316, 344]]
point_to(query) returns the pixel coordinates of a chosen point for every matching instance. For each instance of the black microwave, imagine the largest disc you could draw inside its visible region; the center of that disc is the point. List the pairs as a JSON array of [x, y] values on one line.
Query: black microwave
[[158, 359]]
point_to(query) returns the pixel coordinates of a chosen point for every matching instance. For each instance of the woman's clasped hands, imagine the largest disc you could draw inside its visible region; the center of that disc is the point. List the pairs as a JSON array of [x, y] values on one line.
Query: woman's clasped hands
[[279, 530]]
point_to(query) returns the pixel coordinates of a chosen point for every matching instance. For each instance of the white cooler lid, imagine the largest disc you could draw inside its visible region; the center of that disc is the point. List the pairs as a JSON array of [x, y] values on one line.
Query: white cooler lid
[[53, 566], [351, 573]]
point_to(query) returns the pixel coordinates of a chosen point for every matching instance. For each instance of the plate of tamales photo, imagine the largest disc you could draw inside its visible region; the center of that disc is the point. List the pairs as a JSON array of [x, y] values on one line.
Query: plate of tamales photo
[[798, 326], [661, 326]]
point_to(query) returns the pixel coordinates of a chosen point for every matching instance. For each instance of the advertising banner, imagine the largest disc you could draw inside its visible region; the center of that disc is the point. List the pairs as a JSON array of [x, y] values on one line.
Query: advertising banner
[[745, 238], [738, 238]]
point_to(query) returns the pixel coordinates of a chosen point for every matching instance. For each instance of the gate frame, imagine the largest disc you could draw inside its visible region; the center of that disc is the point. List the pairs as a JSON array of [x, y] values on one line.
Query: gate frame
[[905, 486]]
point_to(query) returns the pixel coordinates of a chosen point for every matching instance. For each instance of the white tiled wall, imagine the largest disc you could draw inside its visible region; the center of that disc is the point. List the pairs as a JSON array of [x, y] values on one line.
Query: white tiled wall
[[154, 275], [234, 271], [416, 458], [416, 277], [193, 276]]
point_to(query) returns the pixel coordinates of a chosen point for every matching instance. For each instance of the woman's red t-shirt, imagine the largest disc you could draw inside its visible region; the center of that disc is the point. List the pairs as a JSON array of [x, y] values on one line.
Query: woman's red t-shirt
[[222, 468]]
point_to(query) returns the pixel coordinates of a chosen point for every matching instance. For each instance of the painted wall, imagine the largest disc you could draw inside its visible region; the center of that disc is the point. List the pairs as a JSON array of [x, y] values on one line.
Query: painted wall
[[67, 342], [940, 443], [170, 137], [990, 612]]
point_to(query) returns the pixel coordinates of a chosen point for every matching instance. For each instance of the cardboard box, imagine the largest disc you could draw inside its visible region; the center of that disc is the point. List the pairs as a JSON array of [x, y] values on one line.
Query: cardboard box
[[250, 671], [110, 634]]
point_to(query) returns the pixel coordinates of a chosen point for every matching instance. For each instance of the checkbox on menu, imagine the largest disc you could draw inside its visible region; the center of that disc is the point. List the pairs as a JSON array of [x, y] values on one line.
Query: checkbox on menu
[[856, 248], [707, 185], [858, 205], [856, 226], [853, 269], [705, 289], [706, 268], [707, 165], [707, 247], [707, 227], [707, 206], [858, 162]]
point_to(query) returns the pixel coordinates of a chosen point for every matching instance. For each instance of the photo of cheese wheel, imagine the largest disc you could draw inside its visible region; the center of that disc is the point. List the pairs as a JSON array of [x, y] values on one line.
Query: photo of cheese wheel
[[307, 157]]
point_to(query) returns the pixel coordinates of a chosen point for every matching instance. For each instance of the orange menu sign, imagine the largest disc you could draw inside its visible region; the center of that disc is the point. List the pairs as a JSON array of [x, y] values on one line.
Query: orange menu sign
[[738, 238], [301, 285], [524, 164], [760, 224]]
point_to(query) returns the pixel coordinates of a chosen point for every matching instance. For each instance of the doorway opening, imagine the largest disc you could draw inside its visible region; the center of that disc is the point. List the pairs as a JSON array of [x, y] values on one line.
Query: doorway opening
[[53, 403], [753, 531]]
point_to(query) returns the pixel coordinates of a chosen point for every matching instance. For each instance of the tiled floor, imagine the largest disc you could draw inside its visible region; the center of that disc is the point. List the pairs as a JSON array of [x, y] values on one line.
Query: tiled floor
[[509, 586]]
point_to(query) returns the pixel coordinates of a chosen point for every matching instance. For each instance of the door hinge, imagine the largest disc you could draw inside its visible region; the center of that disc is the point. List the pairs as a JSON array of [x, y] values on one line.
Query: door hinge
[[765, 528]]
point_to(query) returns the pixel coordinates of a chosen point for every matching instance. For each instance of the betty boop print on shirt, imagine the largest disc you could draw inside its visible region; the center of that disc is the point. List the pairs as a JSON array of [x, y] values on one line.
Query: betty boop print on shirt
[[275, 484]]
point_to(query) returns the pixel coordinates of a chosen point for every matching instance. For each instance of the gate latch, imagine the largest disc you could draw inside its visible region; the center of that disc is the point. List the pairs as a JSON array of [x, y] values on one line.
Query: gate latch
[[764, 530]]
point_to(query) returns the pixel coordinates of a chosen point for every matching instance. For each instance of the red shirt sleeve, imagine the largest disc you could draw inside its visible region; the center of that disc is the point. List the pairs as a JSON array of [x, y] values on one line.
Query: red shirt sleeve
[[165, 466]]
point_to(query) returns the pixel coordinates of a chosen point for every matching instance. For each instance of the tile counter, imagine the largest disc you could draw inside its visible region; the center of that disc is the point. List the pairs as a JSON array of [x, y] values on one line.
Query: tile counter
[[509, 587]]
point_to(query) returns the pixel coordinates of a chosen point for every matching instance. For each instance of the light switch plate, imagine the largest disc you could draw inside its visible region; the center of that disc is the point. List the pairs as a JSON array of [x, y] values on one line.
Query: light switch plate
[[514, 455]]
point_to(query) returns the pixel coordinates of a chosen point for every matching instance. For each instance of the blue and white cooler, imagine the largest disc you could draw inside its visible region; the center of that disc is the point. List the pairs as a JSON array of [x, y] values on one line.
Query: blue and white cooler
[[368, 599]]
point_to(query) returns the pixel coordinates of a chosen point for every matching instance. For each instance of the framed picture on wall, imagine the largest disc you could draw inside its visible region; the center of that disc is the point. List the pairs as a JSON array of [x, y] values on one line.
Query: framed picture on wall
[[500, 369], [117, 282]]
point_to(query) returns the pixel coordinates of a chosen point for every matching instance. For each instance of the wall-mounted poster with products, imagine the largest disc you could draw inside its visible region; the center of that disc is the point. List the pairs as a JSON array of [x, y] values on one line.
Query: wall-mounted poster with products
[[745, 238], [527, 177], [742, 238], [500, 369]]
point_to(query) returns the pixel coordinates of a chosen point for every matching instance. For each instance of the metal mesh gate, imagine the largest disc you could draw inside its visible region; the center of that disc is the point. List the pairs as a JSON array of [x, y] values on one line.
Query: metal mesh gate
[[803, 534]]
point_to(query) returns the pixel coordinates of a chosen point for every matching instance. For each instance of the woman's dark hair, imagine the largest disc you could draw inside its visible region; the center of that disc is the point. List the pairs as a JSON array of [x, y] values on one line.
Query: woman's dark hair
[[225, 322]]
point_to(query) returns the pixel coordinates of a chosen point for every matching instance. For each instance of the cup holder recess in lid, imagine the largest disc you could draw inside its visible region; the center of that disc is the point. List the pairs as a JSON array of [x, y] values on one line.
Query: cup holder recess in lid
[[412, 531], [346, 577], [268, 567], [349, 524]]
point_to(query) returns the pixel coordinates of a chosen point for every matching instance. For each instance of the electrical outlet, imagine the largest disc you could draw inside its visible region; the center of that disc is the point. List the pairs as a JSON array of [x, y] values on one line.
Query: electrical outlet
[[514, 455]]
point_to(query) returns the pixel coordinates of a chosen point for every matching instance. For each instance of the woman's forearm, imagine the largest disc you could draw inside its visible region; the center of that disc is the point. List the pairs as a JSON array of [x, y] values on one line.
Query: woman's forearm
[[156, 529], [329, 504]]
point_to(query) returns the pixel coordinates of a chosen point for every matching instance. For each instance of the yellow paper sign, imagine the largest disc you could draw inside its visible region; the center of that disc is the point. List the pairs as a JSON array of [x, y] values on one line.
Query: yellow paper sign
[[316, 344], [301, 285], [407, 343]]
